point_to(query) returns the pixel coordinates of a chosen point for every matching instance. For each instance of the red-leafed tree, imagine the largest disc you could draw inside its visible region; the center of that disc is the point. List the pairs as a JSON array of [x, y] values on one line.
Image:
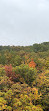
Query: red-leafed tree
[[8, 70], [11, 74]]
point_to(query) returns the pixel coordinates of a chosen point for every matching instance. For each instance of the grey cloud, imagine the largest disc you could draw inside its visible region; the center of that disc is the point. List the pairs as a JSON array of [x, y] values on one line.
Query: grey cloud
[[24, 22]]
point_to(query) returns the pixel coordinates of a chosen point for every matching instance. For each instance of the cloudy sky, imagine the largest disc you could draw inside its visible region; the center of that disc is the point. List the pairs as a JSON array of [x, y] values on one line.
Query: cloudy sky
[[24, 22]]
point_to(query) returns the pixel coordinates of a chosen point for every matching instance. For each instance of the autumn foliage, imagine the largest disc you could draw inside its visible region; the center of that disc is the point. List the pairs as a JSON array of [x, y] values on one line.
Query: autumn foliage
[[24, 82], [32, 64], [10, 73], [8, 70]]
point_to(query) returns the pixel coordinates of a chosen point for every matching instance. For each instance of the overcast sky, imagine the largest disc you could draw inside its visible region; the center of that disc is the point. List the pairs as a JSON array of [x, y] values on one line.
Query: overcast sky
[[24, 22]]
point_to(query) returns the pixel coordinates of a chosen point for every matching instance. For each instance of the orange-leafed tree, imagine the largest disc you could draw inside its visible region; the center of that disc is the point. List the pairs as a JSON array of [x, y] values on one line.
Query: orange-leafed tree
[[32, 64]]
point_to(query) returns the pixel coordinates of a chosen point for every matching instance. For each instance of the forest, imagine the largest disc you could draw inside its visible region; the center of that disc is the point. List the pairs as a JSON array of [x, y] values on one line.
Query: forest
[[24, 77]]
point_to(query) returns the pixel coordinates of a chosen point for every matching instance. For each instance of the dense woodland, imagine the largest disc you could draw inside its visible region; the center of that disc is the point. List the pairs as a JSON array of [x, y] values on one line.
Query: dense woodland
[[24, 78]]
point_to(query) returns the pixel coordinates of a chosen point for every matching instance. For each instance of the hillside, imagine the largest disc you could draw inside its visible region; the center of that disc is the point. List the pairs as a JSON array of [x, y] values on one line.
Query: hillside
[[24, 77]]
